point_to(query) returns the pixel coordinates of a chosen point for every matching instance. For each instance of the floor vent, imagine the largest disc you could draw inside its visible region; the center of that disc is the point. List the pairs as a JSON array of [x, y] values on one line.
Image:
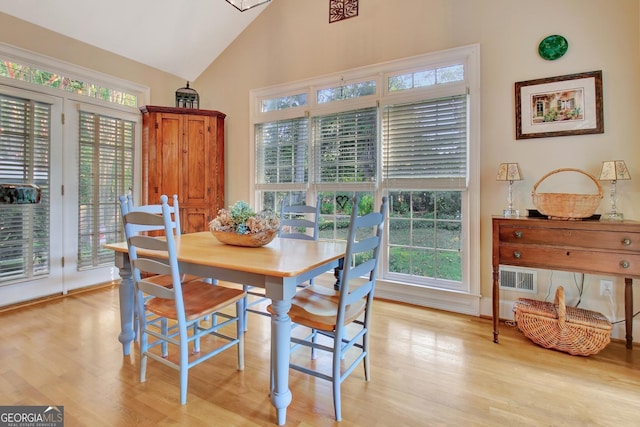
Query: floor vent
[[518, 279]]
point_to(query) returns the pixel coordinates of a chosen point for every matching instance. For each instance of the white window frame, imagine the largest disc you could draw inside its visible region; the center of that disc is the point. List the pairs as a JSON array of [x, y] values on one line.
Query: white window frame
[[462, 299]]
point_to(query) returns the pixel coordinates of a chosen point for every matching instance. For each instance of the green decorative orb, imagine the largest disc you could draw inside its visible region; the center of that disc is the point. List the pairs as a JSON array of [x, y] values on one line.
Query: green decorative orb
[[553, 47]]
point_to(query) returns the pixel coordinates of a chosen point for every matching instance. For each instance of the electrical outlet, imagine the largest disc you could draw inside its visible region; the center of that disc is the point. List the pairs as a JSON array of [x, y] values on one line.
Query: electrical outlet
[[606, 287]]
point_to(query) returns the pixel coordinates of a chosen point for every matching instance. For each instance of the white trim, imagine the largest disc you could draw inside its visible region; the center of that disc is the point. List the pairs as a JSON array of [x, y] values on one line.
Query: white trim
[[441, 299], [463, 301], [47, 63]]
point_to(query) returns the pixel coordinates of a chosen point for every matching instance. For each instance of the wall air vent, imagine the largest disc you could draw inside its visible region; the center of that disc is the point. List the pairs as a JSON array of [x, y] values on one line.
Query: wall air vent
[[518, 279]]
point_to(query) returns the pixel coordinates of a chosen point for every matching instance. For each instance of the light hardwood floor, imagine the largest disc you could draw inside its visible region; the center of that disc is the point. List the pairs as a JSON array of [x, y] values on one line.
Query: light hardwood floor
[[429, 368]]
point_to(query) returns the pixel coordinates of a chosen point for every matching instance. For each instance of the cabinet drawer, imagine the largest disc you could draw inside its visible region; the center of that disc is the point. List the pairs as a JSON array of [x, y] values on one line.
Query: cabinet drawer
[[615, 263], [616, 240]]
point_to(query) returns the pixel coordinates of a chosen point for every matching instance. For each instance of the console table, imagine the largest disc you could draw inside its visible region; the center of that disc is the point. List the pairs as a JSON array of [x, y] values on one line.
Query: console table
[[598, 247]]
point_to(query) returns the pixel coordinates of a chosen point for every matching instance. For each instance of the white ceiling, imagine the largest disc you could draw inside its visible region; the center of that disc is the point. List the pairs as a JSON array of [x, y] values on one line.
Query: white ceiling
[[181, 37]]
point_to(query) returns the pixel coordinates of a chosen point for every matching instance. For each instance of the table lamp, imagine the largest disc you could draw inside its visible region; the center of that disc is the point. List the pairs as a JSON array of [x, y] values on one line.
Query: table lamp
[[614, 170], [509, 172]]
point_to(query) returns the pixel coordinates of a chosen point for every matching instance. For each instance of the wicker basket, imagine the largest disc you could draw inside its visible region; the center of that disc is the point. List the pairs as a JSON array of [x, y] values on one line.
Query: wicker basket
[[566, 205], [252, 240], [573, 330]]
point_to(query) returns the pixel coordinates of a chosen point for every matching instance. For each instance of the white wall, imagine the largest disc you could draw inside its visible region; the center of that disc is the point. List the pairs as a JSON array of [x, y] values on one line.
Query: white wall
[[292, 40]]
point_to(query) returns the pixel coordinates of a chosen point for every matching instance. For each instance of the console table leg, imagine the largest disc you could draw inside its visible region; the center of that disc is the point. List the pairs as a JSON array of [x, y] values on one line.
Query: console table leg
[[628, 310], [496, 303]]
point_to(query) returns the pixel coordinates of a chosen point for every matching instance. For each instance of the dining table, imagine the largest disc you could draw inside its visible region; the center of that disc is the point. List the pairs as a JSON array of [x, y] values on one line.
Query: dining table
[[278, 267]]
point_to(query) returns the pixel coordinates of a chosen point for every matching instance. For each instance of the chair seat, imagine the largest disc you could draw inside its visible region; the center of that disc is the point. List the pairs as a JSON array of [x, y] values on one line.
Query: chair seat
[[317, 307], [200, 299]]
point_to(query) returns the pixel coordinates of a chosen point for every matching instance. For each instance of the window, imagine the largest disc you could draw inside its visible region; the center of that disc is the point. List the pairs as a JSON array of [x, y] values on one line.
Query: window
[[414, 142], [346, 146], [282, 149], [24, 159], [284, 102], [105, 171], [347, 91], [429, 77], [425, 232], [50, 79], [425, 147]]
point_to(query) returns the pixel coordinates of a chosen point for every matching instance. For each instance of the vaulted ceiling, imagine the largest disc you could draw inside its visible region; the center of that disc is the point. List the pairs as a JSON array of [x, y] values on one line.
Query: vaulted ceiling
[[179, 37]]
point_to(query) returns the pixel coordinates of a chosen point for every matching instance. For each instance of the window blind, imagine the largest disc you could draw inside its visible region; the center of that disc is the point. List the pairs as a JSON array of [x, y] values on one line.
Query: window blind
[[105, 171], [25, 138], [282, 151], [426, 140], [345, 146]]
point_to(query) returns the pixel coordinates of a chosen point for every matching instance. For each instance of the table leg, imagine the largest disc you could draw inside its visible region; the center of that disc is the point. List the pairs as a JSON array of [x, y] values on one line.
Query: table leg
[[628, 310], [496, 303], [127, 298], [280, 346], [337, 273]]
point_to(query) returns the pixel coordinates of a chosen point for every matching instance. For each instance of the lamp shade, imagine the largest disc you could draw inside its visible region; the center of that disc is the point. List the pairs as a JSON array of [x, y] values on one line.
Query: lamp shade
[[509, 172], [614, 170], [243, 5]]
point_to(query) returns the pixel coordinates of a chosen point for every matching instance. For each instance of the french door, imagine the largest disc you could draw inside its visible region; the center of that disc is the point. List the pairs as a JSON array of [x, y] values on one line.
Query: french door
[[31, 239], [50, 248]]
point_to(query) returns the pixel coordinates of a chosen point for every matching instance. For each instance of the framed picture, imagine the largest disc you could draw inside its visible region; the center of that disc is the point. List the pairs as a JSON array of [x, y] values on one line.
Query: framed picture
[[559, 106]]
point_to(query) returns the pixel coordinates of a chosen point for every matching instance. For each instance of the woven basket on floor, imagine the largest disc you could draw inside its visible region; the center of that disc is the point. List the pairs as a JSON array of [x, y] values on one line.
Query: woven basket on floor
[[554, 325], [566, 205]]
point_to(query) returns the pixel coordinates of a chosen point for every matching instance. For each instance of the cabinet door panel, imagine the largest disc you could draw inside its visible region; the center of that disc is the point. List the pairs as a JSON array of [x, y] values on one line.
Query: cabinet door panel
[[170, 134], [194, 220], [196, 162]]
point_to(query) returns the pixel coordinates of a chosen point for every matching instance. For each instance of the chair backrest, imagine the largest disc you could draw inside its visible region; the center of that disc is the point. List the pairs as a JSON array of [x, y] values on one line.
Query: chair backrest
[[146, 266], [299, 221], [364, 241], [126, 206]]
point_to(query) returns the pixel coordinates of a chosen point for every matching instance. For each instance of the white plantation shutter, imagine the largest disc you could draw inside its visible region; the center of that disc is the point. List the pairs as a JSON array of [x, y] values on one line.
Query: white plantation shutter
[[282, 154], [25, 138], [346, 147], [426, 140], [106, 172]]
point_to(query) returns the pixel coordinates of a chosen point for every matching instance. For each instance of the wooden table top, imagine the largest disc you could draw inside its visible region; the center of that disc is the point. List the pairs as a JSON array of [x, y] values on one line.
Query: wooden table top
[[280, 258]]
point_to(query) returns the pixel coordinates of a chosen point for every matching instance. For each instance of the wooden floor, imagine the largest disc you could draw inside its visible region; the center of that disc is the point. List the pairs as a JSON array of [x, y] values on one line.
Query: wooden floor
[[429, 368]]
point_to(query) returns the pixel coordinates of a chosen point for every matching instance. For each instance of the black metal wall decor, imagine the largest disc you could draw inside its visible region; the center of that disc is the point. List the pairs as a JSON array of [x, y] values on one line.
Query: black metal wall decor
[[187, 97], [342, 9]]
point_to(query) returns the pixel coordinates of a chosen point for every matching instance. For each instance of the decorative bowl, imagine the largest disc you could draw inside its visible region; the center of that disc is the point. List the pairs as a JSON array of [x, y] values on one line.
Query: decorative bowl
[[250, 240]]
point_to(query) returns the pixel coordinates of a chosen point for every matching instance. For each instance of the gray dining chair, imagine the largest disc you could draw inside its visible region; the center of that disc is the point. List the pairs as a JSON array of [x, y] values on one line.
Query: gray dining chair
[[344, 316], [174, 315], [126, 206], [300, 222]]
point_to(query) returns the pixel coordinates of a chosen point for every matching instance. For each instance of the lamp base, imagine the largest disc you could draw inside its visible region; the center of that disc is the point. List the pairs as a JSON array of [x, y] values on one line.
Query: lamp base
[[612, 216], [510, 213]]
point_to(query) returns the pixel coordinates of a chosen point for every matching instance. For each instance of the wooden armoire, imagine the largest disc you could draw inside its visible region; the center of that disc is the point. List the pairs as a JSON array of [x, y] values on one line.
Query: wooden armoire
[[183, 154]]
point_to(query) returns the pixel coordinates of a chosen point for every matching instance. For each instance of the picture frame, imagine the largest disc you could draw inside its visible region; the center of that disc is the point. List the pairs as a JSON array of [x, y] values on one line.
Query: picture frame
[[559, 106]]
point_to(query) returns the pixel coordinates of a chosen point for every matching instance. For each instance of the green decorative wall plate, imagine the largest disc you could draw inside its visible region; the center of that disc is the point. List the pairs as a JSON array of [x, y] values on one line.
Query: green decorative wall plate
[[553, 47]]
